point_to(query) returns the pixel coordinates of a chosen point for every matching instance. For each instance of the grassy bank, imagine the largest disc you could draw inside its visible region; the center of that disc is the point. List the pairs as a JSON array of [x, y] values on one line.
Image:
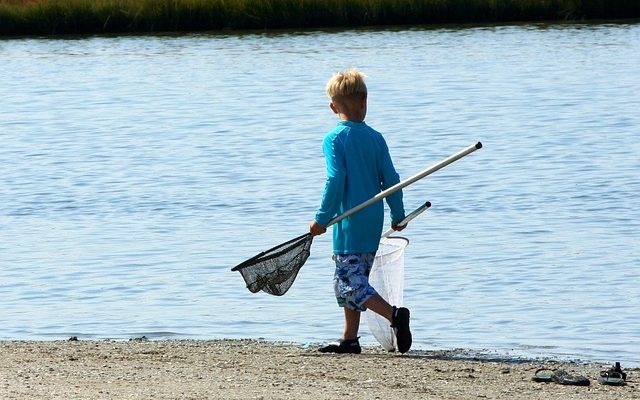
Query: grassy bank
[[29, 17]]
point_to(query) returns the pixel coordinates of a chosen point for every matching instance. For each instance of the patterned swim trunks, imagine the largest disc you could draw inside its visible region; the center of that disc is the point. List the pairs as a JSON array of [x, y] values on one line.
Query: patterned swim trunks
[[351, 280]]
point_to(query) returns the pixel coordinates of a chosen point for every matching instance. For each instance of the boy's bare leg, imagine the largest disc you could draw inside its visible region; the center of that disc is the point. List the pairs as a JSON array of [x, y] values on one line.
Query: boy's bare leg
[[379, 306], [351, 324]]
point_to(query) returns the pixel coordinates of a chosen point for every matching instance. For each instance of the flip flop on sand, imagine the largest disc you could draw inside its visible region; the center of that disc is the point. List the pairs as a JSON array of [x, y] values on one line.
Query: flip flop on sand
[[543, 375], [618, 368], [611, 378], [562, 377]]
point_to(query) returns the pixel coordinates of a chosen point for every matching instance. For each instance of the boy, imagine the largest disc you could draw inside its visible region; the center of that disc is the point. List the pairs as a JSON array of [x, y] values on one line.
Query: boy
[[358, 167]]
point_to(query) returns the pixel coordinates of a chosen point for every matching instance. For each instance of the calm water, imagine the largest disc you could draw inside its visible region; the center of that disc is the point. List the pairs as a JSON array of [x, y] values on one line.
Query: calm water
[[136, 171]]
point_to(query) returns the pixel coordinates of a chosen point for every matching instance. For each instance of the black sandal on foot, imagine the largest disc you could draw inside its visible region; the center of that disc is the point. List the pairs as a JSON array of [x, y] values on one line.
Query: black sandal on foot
[[400, 325], [342, 346]]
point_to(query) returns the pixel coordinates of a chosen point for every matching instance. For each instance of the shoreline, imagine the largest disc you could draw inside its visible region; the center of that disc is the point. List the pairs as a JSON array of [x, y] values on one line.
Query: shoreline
[[253, 369], [53, 17], [328, 30]]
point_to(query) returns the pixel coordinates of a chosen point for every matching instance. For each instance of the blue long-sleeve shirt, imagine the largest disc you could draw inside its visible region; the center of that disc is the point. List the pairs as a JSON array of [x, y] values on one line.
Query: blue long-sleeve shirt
[[358, 167]]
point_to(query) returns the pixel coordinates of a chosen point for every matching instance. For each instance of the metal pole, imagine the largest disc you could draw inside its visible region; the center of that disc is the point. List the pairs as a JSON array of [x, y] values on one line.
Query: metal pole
[[409, 217], [406, 182]]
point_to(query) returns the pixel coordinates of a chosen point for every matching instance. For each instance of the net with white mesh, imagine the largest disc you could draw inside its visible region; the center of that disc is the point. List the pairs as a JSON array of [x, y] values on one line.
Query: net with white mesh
[[387, 277], [273, 271]]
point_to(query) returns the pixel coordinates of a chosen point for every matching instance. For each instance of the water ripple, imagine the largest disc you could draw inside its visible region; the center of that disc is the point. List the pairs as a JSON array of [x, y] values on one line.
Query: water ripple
[[138, 170]]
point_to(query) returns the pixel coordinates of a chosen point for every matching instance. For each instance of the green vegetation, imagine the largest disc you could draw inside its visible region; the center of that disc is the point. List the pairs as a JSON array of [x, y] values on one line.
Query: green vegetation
[[35, 17]]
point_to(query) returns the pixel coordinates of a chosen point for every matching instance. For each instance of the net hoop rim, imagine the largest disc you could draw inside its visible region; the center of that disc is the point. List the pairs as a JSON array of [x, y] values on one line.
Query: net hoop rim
[[397, 237], [286, 246]]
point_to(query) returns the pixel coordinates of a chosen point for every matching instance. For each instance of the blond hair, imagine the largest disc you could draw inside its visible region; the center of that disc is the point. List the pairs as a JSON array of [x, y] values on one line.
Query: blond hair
[[346, 84]]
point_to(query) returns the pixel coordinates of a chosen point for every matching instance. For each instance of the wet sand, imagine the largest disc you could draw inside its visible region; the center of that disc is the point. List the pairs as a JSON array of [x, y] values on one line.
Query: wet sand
[[248, 369]]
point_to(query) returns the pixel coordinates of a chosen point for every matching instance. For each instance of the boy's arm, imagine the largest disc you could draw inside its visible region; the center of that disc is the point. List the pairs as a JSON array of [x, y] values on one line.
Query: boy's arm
[[334, 186], [389, 178]]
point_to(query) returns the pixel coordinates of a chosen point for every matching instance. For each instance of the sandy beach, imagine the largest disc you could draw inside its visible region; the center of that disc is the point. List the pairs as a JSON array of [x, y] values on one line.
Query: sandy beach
[[249, 369]]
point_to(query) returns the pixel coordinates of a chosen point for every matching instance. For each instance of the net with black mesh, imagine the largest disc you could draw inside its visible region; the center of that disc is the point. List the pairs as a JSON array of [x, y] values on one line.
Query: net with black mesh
[[273, 271]]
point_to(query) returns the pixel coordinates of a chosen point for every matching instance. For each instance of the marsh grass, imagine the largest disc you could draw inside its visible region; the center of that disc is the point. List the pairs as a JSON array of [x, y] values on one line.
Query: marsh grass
[[28, 17]]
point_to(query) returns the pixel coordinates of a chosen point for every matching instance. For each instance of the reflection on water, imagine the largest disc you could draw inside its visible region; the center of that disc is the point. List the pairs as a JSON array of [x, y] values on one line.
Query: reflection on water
[[139, 170]]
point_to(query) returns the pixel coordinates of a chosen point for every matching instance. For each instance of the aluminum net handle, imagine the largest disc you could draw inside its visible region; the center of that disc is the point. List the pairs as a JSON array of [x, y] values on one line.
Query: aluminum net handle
[[406, 182], [409, 217]]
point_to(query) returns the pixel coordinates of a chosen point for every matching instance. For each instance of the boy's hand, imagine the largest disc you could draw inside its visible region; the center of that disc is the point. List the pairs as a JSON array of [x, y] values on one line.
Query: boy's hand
[[397, 227], [316, 229]]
